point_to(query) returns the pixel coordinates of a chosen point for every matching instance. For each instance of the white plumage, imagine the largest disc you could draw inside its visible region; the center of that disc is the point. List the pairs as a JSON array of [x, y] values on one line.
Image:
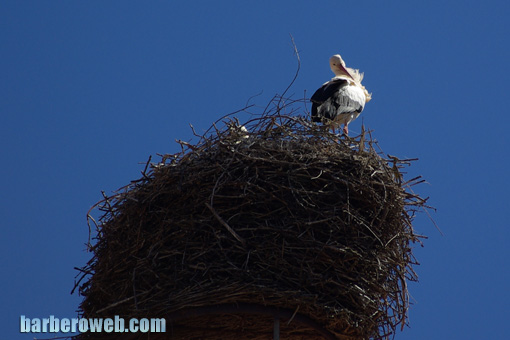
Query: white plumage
[[340, 100]]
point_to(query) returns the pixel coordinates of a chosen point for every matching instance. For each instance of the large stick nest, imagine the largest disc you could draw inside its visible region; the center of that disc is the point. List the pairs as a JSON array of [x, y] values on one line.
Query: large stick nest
[[283, 220]]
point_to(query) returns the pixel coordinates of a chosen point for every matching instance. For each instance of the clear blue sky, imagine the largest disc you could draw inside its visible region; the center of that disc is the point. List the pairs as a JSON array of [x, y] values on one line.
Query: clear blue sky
[[90, 89]]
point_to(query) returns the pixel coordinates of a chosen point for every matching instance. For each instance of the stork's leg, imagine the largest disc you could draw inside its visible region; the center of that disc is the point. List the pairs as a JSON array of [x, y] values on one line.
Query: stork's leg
[[346, 130], [334, 133]]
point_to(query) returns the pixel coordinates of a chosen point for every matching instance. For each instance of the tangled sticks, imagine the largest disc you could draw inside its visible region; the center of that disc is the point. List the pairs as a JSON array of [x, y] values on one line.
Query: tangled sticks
[[278, 220]]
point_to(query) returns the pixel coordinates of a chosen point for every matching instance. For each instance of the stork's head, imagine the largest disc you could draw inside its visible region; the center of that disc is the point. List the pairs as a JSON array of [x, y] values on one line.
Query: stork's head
[[338, 66]]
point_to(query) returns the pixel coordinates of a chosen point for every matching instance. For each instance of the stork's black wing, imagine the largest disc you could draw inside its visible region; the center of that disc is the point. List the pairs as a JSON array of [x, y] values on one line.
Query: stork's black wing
[[333, 99], [327, 90], [324, 93]]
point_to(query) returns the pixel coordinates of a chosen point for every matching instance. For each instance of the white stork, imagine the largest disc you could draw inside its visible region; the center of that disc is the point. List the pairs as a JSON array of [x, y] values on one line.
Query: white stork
[[340, 100]]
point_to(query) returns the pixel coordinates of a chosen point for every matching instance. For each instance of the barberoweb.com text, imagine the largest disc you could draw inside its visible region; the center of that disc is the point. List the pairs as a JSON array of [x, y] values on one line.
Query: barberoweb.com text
[[83, 325]]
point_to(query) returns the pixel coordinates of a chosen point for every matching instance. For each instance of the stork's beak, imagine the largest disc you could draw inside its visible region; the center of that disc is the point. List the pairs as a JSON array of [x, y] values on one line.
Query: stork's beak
[[345, 71]]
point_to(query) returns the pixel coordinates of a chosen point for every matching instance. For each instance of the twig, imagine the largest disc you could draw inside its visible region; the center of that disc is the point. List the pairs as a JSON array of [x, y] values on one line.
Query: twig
[[225, 224], [297, 70], [115, 304]]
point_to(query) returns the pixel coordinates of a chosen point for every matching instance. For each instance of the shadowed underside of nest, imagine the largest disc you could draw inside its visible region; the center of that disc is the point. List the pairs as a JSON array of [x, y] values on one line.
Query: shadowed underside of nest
[[281, 220]]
